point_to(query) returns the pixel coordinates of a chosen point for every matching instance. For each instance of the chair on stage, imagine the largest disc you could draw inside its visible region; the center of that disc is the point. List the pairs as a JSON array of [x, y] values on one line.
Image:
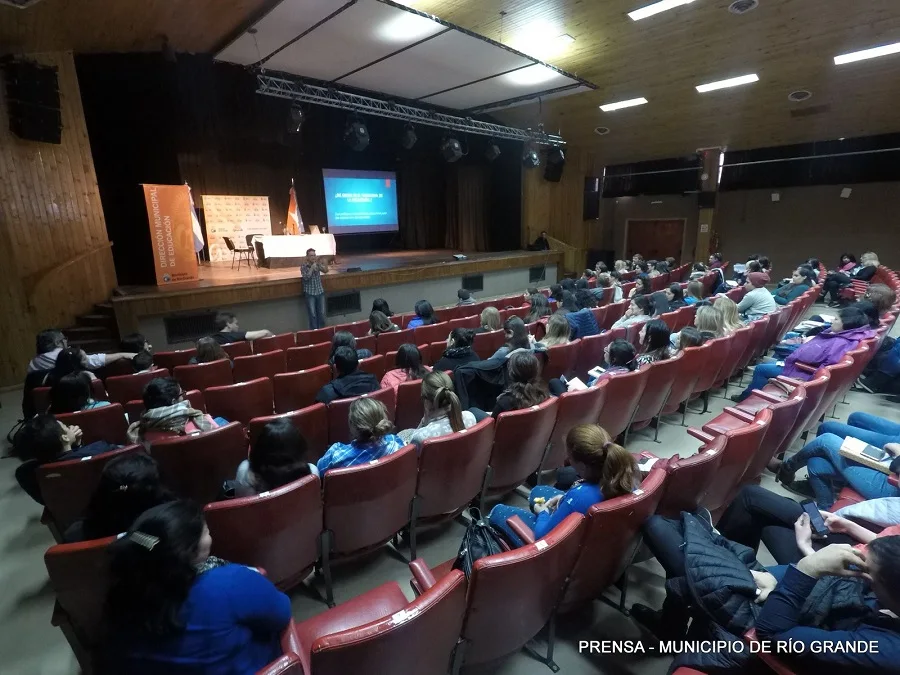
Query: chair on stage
[[242, 252]]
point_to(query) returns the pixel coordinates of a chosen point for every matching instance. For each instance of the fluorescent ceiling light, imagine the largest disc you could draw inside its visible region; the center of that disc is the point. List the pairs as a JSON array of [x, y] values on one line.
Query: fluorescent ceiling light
[[875, 52], [656, 8], [407, 27], [724, 84], [541, 39], [609, 107], [530, 75]]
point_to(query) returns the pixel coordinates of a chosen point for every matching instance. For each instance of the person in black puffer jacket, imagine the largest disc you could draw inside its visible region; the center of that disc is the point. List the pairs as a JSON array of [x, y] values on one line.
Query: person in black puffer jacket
[[459, 350]]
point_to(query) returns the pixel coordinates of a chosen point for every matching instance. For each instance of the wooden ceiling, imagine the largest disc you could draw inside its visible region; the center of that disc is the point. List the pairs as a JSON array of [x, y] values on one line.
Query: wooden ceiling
[[790, 44]]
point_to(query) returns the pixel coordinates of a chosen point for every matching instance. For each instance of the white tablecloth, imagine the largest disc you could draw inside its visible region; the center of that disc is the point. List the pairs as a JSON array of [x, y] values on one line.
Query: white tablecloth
[[295, 246]]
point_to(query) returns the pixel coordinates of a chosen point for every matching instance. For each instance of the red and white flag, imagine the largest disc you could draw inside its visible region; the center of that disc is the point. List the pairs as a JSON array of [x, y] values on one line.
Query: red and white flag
[[294, 219]]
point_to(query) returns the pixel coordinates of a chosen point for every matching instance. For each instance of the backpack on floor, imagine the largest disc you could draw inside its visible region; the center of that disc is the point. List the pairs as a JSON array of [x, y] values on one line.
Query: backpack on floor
[[479, 541]]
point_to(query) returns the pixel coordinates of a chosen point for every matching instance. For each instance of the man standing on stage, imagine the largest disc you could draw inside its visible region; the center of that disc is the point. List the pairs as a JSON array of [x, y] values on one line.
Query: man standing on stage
[[311, 273]]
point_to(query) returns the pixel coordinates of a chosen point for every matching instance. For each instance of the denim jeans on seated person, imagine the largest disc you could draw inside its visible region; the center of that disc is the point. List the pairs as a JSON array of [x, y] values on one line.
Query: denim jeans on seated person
[[761, 375], [872, 429]]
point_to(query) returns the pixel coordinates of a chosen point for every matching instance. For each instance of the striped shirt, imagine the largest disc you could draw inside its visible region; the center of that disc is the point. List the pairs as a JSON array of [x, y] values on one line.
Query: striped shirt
[[342, 455]]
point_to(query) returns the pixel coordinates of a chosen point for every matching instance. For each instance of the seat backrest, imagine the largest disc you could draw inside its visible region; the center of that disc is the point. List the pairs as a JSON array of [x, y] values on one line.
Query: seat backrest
[[390, 342], [600, 315], [757, 335], [616, 311], [339, 411], [281, 341], [561, 360], [367, 505], [410, 408], [689, 478], [277, 530], [660, 378], [771, 335], [520, 440], [418, 639], [241, 402], [692, 360], [99, 424], [590, 353], [715, 358], [784, 416], [67, 487], [671, 319], [235, 349], [203, 375], [575, 407], [610, 536], [485, 344], [296, 390], [623, 393], [307, 356], [736, 348], [373, 365], [525, 583], [169, 360], [815, 391], [425, 335], [314, 337], [369, 342], [195, 467], [312, 422], [451, 469], [620, 333], [357, 329], [268, 364], [841, 374], [124, 388], [79, 576]]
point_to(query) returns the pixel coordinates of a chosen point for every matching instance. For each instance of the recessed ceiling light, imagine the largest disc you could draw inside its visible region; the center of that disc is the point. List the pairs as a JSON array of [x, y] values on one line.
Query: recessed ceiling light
[[407, 27], [529, 75], [541, 39], [601, 131], [799, 95], [656, 8], [609, 107], [872, 53], [731, 82]]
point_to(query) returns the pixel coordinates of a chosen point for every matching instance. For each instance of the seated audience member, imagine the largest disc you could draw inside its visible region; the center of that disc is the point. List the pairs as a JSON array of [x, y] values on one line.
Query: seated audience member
[[465, 297], [670, 261], [801, 281], [209, 350], [517, 337], [694, 293], [129, 485], [173, 608], [698, 271], [556, 291], [568, 285], [443, 414], [641, 287], [731, 320], [557, 331], [350, 380], [639, 311], [825, 349], [142, 362], [864, 271], [607, 470], [588, 274], [72, 393], [675, 296], [606, 280], [134, 343], [525, 387], [847, 263], [44, 439], [689, 337], [424, 315], [379, 323], [567, 303], [654, 337], [709, 321], [344, 338], [765, 265], [51, 342], [228, 330], [618, 357], [752, 265], [539, 308], [870, 311], [757, 302], [581, 284], [813, 264], [659, 303], [167, 413], [652, 271], [715, 261], [620, 266], [459, 350], [278, 457], [662, 267], [882, 296], [582, 321], [409, 367], [600, 268], [372, 438], [69, 360], [381, 305], [490, 320]]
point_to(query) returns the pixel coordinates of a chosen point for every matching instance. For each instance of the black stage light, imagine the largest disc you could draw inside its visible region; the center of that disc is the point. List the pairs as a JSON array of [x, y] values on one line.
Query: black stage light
[[492, 152], [408, 138], [356, 135], [530, 158], [295, 122], [451, 149], [556, 162]]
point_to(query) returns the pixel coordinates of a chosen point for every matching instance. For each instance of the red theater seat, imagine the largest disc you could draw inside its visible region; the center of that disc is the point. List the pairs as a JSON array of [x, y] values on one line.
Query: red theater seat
[[410, 408], [561, 360], [133, 409], [390, 342], [485, 344], [623, 393], [312, 423], [365, 506], [436, 332], [689, 479], [203, 375], [248, 368], [520, 441], [99, 424], [277, 530], [124, 388], [241, 402], [590, 353], [357, 329], [339, 411], [280, 342], [692, 360], [660, 378], [296, 390], [314, 337], [235, 349], [709, 369], [575, 407], [169, 360], [40, 396], [373, 365], [307, 356], [196, 466], [367, 342]]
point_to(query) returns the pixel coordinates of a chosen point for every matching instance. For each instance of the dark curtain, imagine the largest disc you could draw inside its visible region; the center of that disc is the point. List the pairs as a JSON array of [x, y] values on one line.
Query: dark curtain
[[468, 206], [421, 196]]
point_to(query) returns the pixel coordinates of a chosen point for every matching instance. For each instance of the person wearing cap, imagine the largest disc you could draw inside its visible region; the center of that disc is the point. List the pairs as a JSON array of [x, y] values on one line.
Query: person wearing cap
[[758, 301]]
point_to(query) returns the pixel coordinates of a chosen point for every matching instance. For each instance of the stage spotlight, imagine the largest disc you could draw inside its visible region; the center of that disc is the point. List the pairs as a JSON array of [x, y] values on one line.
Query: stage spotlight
[[451, 149], [530, 158], [356, 135], [408, 138], [295, 122], [492, 152]]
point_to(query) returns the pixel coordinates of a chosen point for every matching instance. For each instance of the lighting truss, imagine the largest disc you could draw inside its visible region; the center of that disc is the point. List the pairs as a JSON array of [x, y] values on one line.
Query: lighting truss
[[298, 90]]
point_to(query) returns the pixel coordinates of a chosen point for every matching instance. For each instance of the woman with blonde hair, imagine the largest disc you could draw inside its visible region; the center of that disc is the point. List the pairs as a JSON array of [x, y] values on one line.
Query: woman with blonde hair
[[490, 320], [372, 438], [557, 331], [443, 414], [708, 321], [694, 292], [606, 469], [620, 266], [731, 321], [208, 350]]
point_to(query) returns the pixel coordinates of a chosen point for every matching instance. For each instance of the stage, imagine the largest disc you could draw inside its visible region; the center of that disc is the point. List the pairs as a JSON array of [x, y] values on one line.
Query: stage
[[401, 274]]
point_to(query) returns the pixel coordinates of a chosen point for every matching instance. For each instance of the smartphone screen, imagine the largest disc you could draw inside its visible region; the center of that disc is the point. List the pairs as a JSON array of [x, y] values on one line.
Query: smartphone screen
[[815, 518], [875, 453]]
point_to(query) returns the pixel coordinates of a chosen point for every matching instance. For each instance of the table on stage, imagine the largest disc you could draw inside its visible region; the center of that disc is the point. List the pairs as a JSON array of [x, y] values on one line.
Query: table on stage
[[289, 250]]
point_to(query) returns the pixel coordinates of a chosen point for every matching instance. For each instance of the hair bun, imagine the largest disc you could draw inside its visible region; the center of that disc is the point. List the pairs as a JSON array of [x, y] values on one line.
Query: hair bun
[[383, 427]]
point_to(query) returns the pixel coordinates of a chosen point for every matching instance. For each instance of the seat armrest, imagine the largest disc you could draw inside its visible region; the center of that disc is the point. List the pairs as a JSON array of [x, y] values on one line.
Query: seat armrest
[[766, 396], [290, 641], [789, 380], [894, 480], [700, 434], [805, 368], [522, 530], [422, 574], [740, 414]]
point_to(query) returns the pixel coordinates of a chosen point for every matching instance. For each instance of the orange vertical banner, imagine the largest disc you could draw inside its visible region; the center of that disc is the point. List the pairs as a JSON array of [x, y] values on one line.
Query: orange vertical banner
[[171, 233]]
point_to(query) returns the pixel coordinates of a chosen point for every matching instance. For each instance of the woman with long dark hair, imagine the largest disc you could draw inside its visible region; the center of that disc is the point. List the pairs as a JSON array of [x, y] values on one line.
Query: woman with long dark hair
[[380, 323], [72, 393], [675, 296], [409, 367], [539, 308], [424, 315], [517, 337], [172, 608], [525, 388], [277, 457], [459, 350], [654, 338]]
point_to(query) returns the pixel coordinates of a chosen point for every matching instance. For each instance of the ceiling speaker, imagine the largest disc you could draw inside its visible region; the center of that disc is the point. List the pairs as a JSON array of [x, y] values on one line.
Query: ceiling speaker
[[556, 162], [356, 135], [451, 149]]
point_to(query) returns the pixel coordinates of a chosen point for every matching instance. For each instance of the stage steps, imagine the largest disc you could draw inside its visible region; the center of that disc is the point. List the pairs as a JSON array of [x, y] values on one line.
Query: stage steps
[[95, 332]]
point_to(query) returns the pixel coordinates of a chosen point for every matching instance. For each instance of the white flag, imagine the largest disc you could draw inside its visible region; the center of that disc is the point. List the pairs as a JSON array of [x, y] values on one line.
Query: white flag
[[198, 231]]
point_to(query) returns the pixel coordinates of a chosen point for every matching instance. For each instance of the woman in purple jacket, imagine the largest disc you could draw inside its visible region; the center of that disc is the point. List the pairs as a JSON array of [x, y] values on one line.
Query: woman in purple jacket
[[827, 348]]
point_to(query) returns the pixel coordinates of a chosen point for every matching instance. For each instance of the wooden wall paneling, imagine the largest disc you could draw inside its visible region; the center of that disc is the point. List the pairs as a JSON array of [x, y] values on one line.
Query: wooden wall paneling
[[53, 241]]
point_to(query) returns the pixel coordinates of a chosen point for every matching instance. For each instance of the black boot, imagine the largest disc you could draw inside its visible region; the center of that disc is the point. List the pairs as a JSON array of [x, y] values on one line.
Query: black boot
[[669, 623]]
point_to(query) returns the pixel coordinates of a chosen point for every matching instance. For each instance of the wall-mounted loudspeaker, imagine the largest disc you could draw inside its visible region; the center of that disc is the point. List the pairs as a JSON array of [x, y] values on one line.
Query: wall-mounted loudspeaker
[[591, 206], [32, 94], [556, 161]]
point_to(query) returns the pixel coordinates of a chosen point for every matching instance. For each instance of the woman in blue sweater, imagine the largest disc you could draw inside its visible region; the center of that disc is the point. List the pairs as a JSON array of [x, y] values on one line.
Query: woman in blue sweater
[[174, 609], [607, 470]]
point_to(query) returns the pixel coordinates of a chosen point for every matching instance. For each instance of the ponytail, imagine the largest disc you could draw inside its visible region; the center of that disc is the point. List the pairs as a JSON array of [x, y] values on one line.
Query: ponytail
[[607, 463], [446, 398], [619, 472]]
